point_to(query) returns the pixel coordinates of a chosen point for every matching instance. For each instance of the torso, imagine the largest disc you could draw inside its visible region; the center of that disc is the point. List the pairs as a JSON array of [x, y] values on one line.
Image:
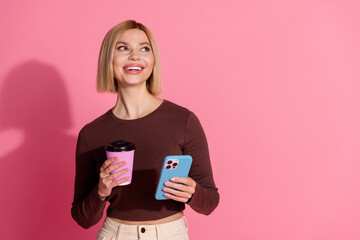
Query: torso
[[157, 135]]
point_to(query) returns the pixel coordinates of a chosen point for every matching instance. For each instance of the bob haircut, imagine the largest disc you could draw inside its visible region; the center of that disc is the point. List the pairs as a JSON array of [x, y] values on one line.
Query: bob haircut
[[106, 81]]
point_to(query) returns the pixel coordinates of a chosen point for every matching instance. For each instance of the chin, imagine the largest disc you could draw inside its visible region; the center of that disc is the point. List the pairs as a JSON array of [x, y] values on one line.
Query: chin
[[131, 83]]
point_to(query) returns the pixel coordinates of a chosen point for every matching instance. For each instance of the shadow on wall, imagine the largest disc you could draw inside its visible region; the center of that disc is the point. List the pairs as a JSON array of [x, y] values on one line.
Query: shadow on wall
[[37, 177]]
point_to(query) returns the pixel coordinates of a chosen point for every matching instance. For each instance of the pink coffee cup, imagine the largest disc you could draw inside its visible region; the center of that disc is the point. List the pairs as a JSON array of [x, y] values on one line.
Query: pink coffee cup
[[124, 151]]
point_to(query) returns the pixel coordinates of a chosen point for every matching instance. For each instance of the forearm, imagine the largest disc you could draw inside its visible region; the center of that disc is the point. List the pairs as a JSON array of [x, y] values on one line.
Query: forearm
[[204, 200], [89, 211]]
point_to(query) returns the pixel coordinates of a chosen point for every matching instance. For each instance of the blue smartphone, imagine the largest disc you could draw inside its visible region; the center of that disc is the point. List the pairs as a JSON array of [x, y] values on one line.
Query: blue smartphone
[[173, 166]]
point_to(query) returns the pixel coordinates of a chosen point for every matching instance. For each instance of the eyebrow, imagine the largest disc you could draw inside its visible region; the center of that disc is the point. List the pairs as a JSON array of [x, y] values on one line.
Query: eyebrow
[[125, 43]]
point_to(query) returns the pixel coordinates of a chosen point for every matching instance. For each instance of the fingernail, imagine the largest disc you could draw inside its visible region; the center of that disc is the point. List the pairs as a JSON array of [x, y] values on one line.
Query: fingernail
[[172, 179]]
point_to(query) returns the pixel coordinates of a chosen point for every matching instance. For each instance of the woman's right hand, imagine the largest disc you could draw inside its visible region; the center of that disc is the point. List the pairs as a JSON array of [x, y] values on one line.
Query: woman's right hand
[[106, 183]]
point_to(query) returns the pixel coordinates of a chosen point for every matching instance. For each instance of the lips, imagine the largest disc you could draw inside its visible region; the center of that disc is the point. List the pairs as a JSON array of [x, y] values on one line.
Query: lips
[[133, 68]]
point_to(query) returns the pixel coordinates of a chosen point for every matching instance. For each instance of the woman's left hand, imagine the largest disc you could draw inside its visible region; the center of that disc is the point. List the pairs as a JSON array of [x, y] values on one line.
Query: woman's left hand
[[180, 189]]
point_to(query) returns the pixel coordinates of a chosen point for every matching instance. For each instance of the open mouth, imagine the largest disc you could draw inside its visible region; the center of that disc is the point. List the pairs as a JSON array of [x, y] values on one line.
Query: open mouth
[[133, 68]]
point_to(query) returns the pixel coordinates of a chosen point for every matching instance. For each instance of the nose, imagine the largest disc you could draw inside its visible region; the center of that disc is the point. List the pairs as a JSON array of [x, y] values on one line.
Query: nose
[[134, 56]]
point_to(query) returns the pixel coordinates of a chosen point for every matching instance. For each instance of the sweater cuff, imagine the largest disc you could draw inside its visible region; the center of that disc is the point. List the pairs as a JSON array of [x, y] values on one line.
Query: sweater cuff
[[95, 198], [204, 200], [196, 201]]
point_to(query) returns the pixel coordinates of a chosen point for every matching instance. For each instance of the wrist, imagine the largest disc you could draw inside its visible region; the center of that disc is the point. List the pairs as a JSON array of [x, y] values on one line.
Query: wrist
[[102, 197]]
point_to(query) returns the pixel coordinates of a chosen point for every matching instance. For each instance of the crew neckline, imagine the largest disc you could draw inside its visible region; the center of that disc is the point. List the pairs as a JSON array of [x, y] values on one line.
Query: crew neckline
[[137, 119]]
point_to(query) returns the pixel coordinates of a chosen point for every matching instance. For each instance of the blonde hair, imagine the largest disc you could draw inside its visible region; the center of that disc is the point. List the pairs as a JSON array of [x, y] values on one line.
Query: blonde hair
[[106, 81]]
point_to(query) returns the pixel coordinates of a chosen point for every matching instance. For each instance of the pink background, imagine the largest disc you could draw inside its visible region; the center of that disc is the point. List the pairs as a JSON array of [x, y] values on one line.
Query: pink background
[[274, 83]]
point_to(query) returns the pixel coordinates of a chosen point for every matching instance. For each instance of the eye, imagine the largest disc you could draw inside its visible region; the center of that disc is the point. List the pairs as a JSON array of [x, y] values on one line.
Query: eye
[[145, 49], [122, 48]]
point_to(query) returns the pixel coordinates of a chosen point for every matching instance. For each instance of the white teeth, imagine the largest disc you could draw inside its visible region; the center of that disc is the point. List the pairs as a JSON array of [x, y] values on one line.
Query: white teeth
[[133, 68]]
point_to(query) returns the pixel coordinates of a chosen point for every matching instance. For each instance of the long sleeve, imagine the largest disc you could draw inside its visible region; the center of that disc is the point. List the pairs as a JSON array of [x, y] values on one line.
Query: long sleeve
[[87, 208], [206, 196]]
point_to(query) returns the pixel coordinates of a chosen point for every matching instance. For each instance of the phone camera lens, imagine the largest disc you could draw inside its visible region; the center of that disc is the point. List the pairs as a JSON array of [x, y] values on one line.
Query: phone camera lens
[[174, 164], [169, 162], [168, 166]]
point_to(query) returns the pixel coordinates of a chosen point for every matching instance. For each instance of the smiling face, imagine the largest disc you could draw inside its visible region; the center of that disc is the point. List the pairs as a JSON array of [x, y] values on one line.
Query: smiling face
[[133, 58]]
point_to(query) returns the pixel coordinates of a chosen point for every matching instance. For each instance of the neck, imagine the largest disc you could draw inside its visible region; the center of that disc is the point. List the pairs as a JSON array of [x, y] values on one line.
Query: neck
[[135, 102]]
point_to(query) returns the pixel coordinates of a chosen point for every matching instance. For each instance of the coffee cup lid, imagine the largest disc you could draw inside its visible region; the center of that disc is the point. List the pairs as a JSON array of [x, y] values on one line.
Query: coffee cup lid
[[120, 146]]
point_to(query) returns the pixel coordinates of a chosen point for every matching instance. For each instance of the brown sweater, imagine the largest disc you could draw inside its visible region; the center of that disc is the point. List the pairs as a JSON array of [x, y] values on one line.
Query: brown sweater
[[169, 130]]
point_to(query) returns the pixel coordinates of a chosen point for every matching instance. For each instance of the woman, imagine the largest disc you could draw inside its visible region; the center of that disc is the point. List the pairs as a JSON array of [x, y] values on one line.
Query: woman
[[129, 66]]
